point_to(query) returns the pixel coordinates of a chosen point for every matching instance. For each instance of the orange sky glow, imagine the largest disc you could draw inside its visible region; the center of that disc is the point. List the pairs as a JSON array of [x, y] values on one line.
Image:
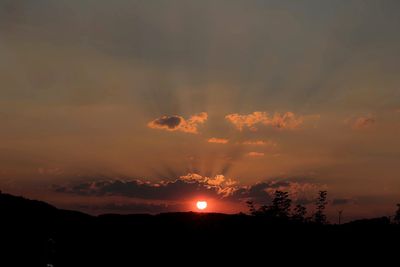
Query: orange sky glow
[[137, 107]]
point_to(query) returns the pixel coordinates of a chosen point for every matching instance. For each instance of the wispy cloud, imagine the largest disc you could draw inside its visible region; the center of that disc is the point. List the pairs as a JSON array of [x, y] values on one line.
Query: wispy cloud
[[255, 154], [178, 123], [360, 123], [218, 140], [259, 143]]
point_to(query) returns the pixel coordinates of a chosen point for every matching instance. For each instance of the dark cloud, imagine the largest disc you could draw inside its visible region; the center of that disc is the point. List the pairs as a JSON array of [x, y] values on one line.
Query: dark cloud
[[169, 121], [178, 123], [190, 185], [373, 200], [175, 190], [262, 193], [256, 193], [341, 201]]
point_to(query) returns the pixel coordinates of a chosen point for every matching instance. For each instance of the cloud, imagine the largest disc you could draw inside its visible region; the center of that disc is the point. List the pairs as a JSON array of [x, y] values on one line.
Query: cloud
[[190, 185], [178, 123], [342, 201], [286, 120], [170, 123], [174, 190], [220, 183], [255, 154], [218, 140], [185, 187], [301, 192], [259, 143], [362, 122]]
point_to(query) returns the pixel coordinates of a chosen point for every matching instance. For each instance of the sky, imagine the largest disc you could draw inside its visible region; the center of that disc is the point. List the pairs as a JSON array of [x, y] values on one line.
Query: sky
[[147, 106]]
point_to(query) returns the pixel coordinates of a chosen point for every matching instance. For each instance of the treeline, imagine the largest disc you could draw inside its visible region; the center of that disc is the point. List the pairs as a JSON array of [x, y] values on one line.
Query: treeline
[[281, 210]]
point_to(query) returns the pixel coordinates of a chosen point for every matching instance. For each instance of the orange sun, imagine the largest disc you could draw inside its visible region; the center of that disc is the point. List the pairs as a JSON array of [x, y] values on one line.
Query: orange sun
[[201, 205]]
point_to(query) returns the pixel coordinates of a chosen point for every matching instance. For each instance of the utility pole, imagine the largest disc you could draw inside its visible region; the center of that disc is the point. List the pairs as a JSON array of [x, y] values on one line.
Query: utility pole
[[340, 216]]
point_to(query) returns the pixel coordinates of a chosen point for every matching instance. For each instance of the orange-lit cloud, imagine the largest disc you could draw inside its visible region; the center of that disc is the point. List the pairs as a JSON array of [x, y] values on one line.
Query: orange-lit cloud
[[286, 120], [178, 123], [259, 143], [223, 186], [255, 154], [218, 140]]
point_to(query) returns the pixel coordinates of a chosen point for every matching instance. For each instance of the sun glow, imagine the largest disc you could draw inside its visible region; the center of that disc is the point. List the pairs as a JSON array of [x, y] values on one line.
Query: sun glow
[[201, 205]]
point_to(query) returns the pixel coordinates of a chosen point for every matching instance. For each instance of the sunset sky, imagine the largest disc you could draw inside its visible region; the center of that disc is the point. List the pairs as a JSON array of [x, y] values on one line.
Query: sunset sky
[[149, 106]]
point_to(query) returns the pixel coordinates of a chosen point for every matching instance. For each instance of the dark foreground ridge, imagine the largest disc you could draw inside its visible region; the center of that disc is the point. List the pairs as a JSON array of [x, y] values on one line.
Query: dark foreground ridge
[[34, 233]]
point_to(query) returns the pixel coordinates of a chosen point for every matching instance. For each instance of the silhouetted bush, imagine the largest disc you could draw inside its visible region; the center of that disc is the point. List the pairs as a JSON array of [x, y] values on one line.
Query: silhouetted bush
[[299, 214]]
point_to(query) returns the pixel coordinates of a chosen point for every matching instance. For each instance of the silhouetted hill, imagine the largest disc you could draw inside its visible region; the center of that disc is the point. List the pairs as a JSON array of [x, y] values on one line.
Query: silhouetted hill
[[34, 233], [19, 208], [382, 221]]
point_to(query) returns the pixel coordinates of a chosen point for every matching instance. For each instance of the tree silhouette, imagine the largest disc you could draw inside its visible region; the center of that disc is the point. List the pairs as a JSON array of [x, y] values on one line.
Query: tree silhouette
[[281, 203], [321, 202], [279, 209], [397, 215], [299, 213]]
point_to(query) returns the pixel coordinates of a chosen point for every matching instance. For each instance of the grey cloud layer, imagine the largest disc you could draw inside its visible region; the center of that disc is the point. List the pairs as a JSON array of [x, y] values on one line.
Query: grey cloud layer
[[249, 42], [192, 185]]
